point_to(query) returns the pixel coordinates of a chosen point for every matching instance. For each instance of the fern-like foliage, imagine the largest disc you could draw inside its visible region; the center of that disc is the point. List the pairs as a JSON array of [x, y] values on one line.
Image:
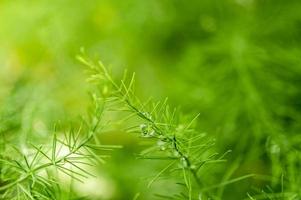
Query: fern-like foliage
[[172, 139], [42, 170]]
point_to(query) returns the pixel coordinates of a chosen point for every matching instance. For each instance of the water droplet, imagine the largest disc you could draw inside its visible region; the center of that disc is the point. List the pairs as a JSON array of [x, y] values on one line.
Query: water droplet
[[176, 153], [193, 167], [162, 145], [152, 133], [146, 114], [162, 148], [184, 162], [146, 130]]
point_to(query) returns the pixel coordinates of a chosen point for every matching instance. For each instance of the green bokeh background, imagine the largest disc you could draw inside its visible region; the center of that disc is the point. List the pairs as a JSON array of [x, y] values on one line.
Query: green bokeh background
[[236, 62]]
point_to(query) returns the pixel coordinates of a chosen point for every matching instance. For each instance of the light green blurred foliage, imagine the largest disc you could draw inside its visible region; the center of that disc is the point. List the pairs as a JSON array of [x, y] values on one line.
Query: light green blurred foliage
[[236, 62]]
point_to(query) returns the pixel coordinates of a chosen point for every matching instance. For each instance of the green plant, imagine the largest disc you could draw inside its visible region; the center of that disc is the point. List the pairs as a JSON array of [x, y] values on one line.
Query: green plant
[[42, 170], [33, 170], [172, 138]]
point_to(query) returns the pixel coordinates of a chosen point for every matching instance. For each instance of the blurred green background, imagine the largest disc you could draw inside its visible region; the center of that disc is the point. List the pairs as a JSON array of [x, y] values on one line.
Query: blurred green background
[[236, 62]]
